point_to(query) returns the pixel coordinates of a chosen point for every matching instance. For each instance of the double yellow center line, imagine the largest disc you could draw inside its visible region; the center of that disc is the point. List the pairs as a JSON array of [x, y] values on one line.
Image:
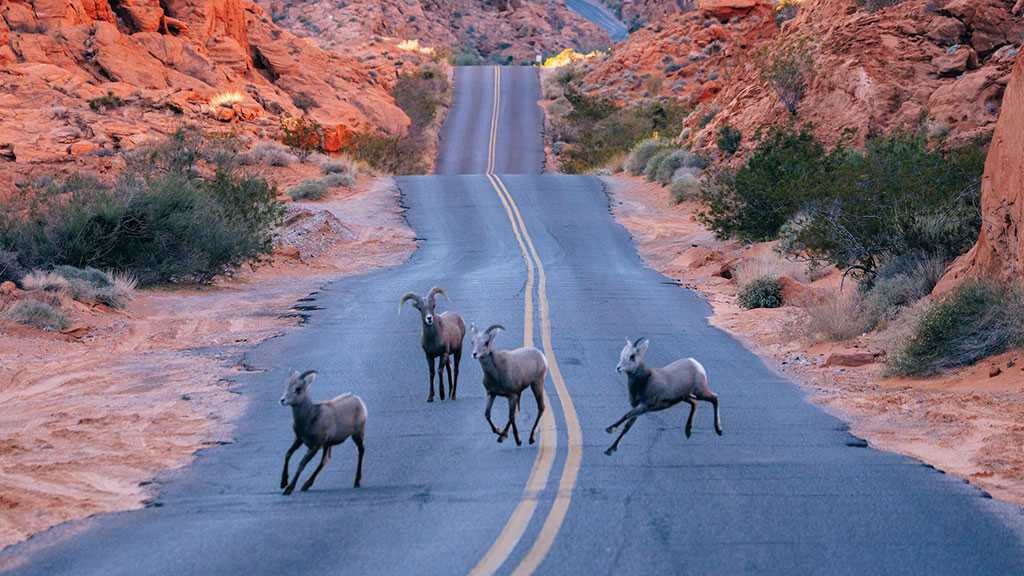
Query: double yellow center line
[[542, 464]]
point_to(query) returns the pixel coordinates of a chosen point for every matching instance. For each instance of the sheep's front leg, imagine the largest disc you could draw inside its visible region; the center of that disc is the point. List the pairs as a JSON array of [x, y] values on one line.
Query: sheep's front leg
[[448, 368], [487, 414], [302, 464], [513, 409], [287, 457], [323, 460], [611, 449], [455, 383], [631, 414], [359, 467], [441, 361], [693, 412], [430, 364]]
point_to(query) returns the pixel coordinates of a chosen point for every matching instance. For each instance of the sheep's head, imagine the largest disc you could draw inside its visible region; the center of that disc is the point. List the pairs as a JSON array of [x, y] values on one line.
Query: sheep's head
[[632, 355], [424, 305], [483, 342], [297, 387]]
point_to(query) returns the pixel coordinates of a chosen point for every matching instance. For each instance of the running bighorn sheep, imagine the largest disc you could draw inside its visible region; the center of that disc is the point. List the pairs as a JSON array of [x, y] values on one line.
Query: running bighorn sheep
[[442, 338], [507, 373], [320, 426], [652, 389]]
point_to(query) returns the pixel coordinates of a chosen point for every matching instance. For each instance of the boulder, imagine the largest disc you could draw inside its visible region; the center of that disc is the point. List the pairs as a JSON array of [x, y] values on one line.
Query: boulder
[[796, 294], [725, 10], [955, 61], [852, 358], [82, 147]]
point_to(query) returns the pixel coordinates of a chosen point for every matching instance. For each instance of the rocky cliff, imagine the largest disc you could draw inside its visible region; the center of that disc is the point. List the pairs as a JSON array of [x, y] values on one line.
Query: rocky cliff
[[78, 77], [499, 30]]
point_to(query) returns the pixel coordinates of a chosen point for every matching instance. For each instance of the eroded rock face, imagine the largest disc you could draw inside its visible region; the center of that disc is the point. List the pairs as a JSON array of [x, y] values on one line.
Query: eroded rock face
[[999, 251]]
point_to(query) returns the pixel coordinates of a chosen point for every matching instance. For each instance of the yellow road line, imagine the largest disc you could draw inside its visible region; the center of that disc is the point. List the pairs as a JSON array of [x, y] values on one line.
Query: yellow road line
[[571, 469], [520, 518]]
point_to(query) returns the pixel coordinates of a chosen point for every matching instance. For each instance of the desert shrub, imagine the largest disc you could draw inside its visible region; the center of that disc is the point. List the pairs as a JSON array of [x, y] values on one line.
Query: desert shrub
[[762, 292], [10, 269], [308, 189], [788, 67], [95, 286], [786, 10], [338, 166], [873, 5], [769, 263], [37, 315], [752, 203], [389, 154], [675, 161], [268, 153], [338, 179], [706, 118], [421, 94], [302, 135], [108, 101], [976, 320], [729, 139], [835, 318], [899, 284], [465, 56], [46, 281], [304, 101], [162, 221], [654, 164], [684, 188], [641, 154]]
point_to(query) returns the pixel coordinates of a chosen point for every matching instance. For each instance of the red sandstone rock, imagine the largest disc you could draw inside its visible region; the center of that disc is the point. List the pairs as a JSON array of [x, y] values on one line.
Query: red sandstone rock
[[82, 147], [853, 358], [796, 294]]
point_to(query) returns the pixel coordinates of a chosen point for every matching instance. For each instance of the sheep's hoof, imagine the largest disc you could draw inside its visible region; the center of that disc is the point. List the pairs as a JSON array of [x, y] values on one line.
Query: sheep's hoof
[[688, 431], [531, 439], [284, 484], [519, 442], [719, 430], [430, 399], [288, 490], [306, 487], [501, 438], [610, 451], [610, 429], [356, 485]]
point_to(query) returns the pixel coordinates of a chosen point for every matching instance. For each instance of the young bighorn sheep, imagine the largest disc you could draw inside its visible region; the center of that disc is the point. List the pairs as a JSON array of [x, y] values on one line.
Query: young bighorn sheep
[[652, 389], [507, 373], [442, 338], [320, 426]]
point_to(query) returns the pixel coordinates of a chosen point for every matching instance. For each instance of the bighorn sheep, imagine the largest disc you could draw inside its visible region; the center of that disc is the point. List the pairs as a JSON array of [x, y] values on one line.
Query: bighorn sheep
[[652, 389], [320, 426], [507, 373], [442, 338]]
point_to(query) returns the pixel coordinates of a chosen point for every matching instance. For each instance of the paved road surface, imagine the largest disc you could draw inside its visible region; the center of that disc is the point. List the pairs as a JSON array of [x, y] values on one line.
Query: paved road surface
[[787, 490], [600, 15]]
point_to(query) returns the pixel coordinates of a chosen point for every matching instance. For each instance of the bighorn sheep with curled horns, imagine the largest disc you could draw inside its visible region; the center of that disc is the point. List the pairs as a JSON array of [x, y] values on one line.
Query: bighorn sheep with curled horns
[[442, 338], [320, 426], [652, 389], [507, 373]]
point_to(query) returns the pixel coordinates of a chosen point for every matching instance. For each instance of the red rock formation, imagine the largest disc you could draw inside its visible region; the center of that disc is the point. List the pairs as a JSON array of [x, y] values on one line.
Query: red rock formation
[[999, 251], [640, 12]]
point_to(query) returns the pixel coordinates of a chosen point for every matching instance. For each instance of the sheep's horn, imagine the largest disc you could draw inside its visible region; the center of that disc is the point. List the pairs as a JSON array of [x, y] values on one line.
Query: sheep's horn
[[408, 296], [438, 290], [494, 327], [638, 341]]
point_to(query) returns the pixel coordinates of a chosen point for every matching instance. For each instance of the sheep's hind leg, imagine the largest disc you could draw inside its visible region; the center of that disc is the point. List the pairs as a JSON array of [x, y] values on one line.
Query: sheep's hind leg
[[447, 360], [323, 461], [693, 412], [513, 410], [287, 457], [302, 464], [430, 365], [538, 393], [455, 383], [359, 467], [709, 396], [440, 374], [629, 424]]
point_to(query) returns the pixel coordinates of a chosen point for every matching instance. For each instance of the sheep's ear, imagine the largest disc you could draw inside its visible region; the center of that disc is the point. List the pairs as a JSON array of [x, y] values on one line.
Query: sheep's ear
[[643, 346], [308, 377], [472, 327]]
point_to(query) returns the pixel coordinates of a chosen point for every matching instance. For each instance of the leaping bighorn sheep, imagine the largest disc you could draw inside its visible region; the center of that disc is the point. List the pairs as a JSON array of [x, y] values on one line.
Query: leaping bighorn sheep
[[442, 338], [652, 389], [507, 373], [320, 426]]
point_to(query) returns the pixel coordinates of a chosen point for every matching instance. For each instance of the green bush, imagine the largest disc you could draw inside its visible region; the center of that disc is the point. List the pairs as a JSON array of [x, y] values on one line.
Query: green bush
[[788, 67], [308, 189], [108, 101], [38, 315], [162, 220], [303, 135], [10, 269], [421, 94], [684, 188], [761, 292], [729, 139], [654, 164], [673, 162], [338, 179], [977, 320], [641, 154], [304, 101], [389, 154], [268, 153], [95, 286], [899, 284]]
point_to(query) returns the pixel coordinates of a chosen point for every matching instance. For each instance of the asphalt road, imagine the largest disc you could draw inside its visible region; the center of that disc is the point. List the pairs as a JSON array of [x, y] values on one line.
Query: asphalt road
[[600, 15], [787, 490]]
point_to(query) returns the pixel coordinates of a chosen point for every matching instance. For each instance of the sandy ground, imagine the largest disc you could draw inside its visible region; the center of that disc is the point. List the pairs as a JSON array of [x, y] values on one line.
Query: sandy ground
[[966, 423], [86, 423]]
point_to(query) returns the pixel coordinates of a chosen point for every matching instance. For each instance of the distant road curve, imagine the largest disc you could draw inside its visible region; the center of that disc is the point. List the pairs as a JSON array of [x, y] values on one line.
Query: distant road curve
[[600, 15]]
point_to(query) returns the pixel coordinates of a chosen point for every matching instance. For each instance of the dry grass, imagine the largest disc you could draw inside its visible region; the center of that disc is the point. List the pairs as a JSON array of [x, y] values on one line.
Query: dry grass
[[769, 264], [835, 319]]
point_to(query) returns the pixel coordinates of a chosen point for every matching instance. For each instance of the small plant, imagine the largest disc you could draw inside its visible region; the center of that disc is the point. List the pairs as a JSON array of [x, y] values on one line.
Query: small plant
[[729, 139], [97, 287], [421, 94], [706, 118], [835, 318], [762, 292], [303, 135], [786, 10], [684, 188], [678, 159], [10, 269], [108, 101], [788, 68], [338, 179], [304, 101], [268, 153], [341, 166], [641, 154], [308, 189], [654, 164], [977, 320], [37, 315]]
